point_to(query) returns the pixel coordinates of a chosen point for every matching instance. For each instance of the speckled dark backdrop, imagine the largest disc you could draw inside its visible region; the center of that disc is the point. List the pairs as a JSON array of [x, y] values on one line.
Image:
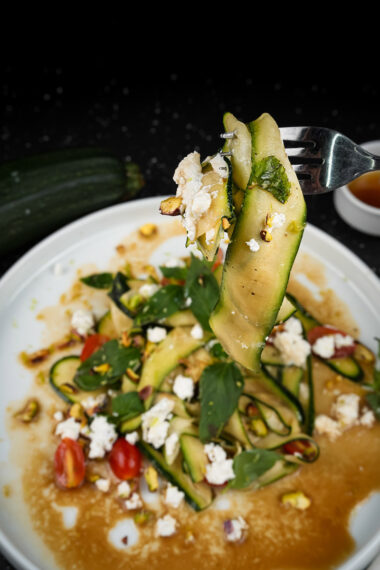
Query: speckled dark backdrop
[[158, 115]]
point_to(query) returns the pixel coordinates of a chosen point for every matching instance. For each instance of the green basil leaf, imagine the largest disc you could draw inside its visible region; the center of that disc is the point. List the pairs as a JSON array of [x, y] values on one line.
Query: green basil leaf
[[119, 287], [166, 301], [218, 351], [250, 465], [119, 359], [98, 280], [203, 289], [270, 175], [221, 385], [373, 400], [127, 405], [179, 273]]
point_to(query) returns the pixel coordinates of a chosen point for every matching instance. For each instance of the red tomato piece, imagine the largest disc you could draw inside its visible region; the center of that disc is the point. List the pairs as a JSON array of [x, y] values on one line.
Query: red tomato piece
[[92, 344], [69, 464], [317, 332], [125, 459], [218, 261]]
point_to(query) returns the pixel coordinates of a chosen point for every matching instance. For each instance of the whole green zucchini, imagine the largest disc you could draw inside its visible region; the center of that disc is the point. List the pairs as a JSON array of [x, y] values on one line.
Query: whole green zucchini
[[41, 193]]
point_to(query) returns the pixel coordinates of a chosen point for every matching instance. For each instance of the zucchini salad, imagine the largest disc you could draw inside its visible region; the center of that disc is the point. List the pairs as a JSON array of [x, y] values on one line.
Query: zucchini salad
[[198, 381]]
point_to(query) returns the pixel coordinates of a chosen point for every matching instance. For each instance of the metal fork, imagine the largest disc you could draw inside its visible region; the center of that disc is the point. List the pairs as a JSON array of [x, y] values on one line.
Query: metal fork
[[324, 159]]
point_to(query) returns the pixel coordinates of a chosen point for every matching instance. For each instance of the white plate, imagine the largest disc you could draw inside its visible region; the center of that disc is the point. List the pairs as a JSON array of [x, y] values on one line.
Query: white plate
[[31, 284]]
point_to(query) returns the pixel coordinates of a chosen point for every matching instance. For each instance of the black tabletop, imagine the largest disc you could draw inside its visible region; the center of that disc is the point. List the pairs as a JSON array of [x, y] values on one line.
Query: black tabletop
[[156, 118]]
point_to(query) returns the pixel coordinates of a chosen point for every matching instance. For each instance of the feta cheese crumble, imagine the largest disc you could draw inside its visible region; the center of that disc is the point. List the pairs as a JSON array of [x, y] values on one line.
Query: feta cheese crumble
[[156, 334], [173, 496], [134, 502], [103, 485], [58, 416], [123, 490], [325, 346], [132, 437], [219, 165], [253, 245], [92, 402], [275, 221], [148, 289], [155, 424], [166, 526], [197, 332], [346, 410], [234, 529], [68, 428], [174, 262], [82, 321], [293, 348], [220, 469], [171, 447], [324, 425], [183, 387], [102, 437]]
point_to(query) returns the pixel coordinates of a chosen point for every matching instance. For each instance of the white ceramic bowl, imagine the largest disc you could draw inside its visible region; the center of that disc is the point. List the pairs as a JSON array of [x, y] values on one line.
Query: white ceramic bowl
[[356, 213]]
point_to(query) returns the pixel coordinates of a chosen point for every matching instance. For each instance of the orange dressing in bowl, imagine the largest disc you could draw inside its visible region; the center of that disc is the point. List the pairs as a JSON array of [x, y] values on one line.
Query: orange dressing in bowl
[[367, 188]]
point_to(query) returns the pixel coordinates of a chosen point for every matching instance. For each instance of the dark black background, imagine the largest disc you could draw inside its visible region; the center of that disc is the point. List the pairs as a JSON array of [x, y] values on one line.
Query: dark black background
[[157, 105]]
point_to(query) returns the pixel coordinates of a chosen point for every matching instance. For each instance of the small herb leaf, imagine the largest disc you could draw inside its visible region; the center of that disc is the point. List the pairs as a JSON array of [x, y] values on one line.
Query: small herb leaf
[[127, 405], [250, 465], [220, 387], [166, 301], [98, 280], [270, 175], [202, 287]]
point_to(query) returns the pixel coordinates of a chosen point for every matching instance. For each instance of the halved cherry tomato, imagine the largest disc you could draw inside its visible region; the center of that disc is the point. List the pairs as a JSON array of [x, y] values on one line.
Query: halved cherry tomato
[[218, 261], [125, 459], [317, 332], [69, 464], [92, 344]]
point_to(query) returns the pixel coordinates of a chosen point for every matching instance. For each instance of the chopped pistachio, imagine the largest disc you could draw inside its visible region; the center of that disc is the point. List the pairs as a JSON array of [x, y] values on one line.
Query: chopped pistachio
[[151, 478], [142, 517], [132, 375], [102, 368], [68, 388], [258, 427], [363, 353], [29, 412], [225, 223], [125, 339], [171, 206], [297, 500], [76, 411], [92, 477], [148, 230], [266, 236]]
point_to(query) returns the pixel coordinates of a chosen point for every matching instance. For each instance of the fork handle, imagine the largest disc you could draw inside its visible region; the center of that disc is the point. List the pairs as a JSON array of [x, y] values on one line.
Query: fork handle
[[368, 161]]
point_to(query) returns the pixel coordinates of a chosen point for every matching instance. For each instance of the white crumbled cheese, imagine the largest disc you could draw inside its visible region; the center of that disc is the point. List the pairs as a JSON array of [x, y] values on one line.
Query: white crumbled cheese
[[324, 346], [197, 332], [103, 485], [196, 199], [183, 387], [210, 235], [134, 502], [155, 423], [346, 410], [188, 302], [293, 326], [58, 416], [156, 334], [324, 425], [174, 262], [68, 428], [234, 529], [166, 526], [173, 496], [171, 446], [293, 348], [148, 289], [343, 340], [276, 221], [102, 437], [219, 165], [82, 321], [253, 245], [368, 418], [123, 490], [220, 469], [132, 437], [93, 402]]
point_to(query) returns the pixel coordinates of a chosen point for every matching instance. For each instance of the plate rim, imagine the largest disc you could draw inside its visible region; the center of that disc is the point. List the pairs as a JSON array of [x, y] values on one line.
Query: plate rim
[[371, 548]]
